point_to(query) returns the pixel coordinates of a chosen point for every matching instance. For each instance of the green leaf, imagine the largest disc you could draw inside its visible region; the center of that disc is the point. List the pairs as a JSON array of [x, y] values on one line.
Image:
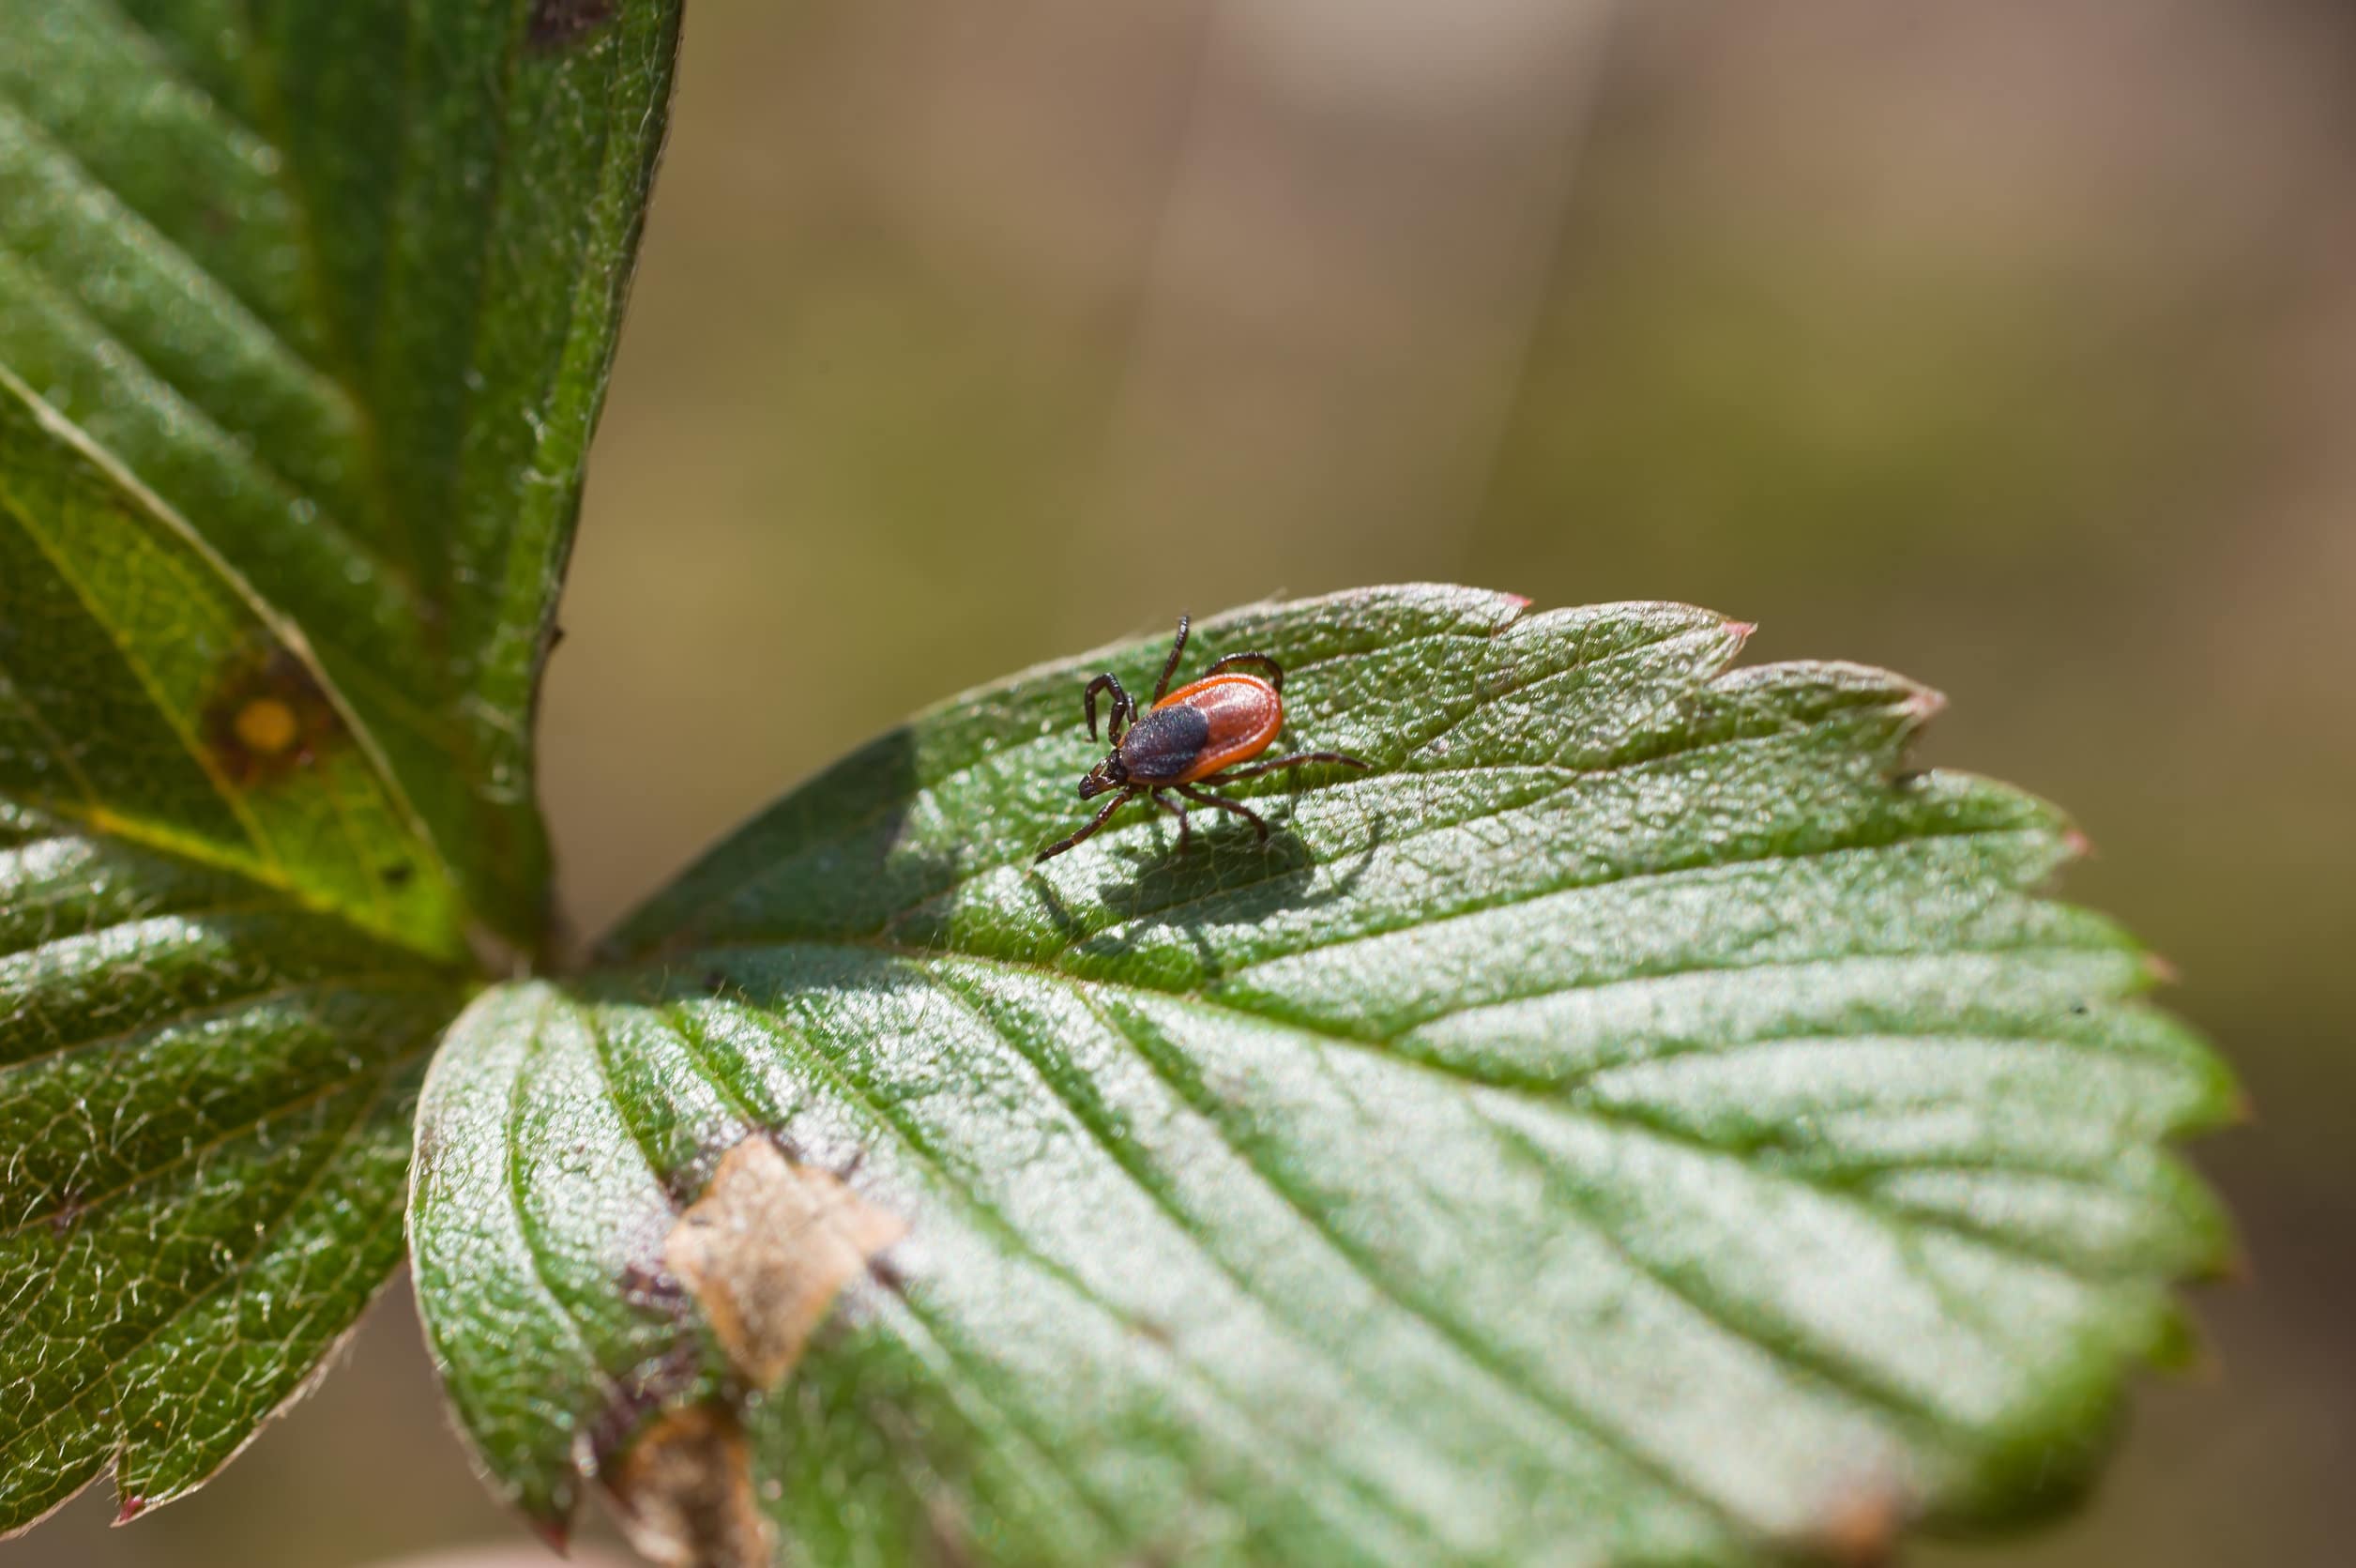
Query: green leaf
[[305, 315], [205, 1101], [145, 694], [341, 282], [225, 948], [1636, 1122]]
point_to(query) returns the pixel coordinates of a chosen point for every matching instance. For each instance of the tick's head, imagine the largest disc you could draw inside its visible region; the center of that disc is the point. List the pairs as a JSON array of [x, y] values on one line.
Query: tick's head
[[1103, 778]]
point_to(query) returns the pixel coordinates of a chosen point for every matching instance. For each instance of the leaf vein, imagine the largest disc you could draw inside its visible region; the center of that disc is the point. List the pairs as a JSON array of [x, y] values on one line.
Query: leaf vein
[[1575, 1418], [267, 1234]]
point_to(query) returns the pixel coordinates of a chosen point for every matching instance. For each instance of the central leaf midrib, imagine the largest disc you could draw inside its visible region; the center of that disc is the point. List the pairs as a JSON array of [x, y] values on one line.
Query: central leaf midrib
[[1864, 1385], [1569, 777], [436, 629], [1466, 1082], [1863, 1203], [878, 942], [346, 373], [97, 818]]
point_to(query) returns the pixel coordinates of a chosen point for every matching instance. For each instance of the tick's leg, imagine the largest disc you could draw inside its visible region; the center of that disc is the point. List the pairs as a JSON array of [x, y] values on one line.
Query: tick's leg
[[1177, 811], [1169, 669], [1094, 823], [1120, 704], [1294, 761], [1275, 671], [1205, 798]]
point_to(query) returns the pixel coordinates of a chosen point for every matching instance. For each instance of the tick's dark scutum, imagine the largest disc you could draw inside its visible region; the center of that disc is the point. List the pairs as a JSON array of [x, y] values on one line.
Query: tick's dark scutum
[[1165, 744]]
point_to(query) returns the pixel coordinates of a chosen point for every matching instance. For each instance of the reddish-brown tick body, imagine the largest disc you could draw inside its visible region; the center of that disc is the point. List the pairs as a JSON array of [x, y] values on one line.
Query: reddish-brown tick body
[[1187, 737], [1197, 730]]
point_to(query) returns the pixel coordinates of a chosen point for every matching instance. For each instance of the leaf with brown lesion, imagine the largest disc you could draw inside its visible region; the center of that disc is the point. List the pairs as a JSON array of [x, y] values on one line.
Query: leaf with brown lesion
[[340, 283], [683, 1492], [1639, 1120], [146, 693], [767, 1248]]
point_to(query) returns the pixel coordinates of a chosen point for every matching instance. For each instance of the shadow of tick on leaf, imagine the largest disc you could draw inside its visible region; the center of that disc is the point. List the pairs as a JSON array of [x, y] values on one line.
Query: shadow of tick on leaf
[[1226, 879]]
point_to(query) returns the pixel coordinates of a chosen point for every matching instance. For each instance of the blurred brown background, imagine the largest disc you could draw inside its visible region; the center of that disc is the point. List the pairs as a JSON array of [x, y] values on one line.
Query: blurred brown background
[[2011, 343]]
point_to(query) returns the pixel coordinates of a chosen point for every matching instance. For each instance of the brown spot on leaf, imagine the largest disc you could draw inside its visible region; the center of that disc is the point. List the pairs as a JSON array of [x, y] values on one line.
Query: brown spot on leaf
[[554, 1533], [683, 1494], [767, 1249], [653, 1287], [1860, 1529], [884, 1271], [267, 717], [559, 24], [651, 1386]]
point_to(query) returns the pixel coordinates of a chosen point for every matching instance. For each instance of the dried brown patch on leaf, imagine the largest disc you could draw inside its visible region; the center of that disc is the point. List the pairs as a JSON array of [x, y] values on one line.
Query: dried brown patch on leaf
[[653, 1385], [556, 23], [1860, 1529], [684, 1493], [767, 1248], [269, 717]]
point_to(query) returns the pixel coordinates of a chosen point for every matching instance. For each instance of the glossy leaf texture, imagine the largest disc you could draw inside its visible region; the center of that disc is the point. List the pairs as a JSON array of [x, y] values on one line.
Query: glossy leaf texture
[[206, 1092], [145, 694], [340, 283], [225, 949], [1636, 1122]]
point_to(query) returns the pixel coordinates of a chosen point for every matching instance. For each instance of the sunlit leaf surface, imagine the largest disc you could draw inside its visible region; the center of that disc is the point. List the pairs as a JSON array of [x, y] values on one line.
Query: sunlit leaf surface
[[305, 315], [224, 952], [340, 282], [1637, 1122], [205, 1097]]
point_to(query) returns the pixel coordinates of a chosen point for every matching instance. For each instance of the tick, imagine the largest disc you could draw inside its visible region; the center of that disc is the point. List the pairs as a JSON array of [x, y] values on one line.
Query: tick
[[1188, 737]]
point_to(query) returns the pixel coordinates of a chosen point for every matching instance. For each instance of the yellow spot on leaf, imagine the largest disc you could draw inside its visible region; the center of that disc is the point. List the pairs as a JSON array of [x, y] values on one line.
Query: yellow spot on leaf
[[266, 726], [269, 717]]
